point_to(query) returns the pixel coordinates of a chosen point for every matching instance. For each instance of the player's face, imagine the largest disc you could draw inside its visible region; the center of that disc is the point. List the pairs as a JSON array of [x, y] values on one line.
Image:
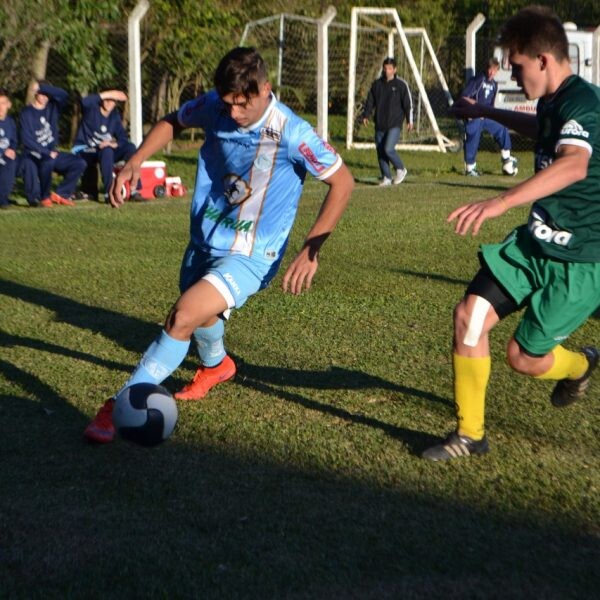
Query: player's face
[[246, 111], [491, 72], [41, 100], [389, 71], [4, 107], [107, 106], [528, 74]]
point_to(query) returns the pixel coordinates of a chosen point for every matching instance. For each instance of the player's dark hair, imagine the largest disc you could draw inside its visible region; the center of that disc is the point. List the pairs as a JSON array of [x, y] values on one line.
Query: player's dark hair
[[493, 62], [534, 30], [389, 61], [4, 92], [241, 72]]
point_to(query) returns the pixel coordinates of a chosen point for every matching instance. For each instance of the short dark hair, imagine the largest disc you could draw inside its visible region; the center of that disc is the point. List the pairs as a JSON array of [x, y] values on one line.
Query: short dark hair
[[389, 61], [4, 92], [534, 30], [493, 62], [241, 72]]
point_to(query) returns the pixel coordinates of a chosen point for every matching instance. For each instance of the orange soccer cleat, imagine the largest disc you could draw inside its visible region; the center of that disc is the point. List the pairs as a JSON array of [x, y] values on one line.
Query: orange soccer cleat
[[101, 430], [46, 203], [206, 378], [60, 200]]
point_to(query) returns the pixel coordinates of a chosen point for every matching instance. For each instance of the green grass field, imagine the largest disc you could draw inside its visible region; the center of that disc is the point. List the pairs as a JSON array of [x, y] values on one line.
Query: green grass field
[[300, 479]]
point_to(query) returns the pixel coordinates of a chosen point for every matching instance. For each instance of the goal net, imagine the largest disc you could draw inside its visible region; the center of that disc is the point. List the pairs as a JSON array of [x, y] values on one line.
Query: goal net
[[290, 46], [376, 33]]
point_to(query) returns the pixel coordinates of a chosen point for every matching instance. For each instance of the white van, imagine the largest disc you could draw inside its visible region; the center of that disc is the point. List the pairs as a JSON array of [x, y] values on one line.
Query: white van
[[581, 53]]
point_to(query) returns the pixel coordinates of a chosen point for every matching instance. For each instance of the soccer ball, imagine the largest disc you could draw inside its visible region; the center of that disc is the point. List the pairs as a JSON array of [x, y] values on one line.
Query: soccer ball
[[145, 413]]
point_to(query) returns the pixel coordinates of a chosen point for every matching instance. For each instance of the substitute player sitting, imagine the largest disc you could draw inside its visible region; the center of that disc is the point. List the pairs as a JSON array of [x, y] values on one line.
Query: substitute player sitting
[[551, 265], [251, 170], [101, 139]]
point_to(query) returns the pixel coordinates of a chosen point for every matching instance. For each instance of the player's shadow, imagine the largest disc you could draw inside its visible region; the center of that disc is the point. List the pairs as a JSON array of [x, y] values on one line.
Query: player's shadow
[[8, 340], [130, 332], [475, 184], [432, 277], [271, 381]]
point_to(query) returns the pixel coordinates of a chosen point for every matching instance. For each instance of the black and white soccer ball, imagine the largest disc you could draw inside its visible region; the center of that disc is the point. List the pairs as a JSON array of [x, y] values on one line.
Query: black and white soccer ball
[[145, 413]]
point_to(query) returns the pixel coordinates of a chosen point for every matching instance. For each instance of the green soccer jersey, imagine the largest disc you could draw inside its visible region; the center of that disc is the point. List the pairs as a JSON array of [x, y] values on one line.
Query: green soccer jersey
[[566, 224]]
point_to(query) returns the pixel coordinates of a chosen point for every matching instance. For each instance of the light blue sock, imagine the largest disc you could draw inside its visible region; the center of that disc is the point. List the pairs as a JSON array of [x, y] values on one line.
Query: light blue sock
[[209, 343], [161, 358]]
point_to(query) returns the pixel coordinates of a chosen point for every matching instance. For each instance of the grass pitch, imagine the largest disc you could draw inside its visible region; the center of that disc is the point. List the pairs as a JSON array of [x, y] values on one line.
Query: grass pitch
[[300, 479]]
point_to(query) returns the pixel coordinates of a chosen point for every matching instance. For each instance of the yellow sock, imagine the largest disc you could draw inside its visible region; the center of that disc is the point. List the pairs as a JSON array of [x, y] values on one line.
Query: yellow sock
[[567, 365], [471, 377]]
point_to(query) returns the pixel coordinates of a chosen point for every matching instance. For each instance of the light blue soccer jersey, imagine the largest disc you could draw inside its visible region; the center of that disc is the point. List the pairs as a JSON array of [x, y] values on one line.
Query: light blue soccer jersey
[[249, 180]]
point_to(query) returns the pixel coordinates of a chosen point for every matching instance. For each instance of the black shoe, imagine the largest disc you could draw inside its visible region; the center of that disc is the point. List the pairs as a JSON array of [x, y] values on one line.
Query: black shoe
[[456, 446], [566, 391]]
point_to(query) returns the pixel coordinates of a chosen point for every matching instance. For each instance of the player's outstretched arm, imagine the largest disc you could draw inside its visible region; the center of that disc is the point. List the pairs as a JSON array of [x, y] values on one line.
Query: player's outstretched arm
[[300, 273], [569, 166], [160, 135], [523, 123]]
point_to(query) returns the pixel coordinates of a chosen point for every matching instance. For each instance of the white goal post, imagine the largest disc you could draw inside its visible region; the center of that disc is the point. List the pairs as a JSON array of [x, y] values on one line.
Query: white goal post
[[383, 27]]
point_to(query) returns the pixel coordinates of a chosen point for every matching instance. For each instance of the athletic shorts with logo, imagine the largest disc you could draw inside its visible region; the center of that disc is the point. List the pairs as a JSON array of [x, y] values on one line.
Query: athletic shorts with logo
[[236, 276], [559, 296]]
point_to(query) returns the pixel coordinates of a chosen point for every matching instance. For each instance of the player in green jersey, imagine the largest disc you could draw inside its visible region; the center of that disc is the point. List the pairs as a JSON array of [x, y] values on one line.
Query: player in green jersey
[[550, 266]]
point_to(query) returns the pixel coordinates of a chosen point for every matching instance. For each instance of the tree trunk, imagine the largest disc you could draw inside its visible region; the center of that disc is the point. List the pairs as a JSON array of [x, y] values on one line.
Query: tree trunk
[[38, 68]]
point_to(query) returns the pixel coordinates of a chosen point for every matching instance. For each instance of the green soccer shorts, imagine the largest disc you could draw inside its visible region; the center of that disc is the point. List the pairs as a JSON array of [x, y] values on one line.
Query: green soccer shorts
[[559, 296]]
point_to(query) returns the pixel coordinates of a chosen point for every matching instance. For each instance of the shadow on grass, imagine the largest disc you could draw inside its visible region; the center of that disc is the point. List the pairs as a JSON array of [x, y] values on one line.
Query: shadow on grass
[[263, 379], [432, 276], [132, 333], [475, 182], [7, 340], [216, 519]]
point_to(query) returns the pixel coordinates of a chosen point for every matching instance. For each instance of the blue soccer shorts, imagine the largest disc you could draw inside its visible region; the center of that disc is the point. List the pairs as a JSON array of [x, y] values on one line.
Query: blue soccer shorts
[[236, 277]]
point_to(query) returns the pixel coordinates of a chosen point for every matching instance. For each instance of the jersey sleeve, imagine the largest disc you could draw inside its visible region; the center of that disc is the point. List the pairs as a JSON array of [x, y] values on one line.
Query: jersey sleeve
[[199, 112], [470, 90], [315, 154], [580, 122], [56, 94]]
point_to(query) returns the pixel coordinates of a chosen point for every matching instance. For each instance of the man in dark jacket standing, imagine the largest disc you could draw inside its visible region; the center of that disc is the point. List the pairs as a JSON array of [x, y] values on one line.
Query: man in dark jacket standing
[[391, 98]]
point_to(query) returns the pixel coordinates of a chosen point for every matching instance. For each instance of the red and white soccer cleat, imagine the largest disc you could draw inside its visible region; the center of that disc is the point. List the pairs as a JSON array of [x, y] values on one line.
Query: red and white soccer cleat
[[101, 430]]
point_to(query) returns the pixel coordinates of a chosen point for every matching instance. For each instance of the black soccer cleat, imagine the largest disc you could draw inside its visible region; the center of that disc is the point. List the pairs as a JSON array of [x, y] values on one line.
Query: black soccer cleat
[[566, 391], [456, 446]]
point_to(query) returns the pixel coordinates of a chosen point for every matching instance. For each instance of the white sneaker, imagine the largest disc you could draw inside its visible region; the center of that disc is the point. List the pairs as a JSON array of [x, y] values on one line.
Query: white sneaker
[[385, 181], [509, 166], [400, 175]]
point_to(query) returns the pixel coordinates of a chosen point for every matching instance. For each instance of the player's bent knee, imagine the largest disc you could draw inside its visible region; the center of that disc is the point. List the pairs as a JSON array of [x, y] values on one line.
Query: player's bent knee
[[521, 361], [181, 324], [461, 319]]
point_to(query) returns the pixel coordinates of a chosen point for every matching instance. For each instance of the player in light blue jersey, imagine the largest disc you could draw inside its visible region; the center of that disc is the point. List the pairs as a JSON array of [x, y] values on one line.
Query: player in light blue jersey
[[251, 171]]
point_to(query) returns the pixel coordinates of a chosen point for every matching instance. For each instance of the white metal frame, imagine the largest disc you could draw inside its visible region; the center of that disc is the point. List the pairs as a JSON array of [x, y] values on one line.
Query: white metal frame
[[442, 141], [136, 126], [322, 27]]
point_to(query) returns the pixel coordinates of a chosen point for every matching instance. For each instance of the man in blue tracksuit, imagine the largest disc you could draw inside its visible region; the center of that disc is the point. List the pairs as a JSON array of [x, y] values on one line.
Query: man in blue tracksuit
[[39, 135], [101, 139], [8, 149], [482, 89]]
